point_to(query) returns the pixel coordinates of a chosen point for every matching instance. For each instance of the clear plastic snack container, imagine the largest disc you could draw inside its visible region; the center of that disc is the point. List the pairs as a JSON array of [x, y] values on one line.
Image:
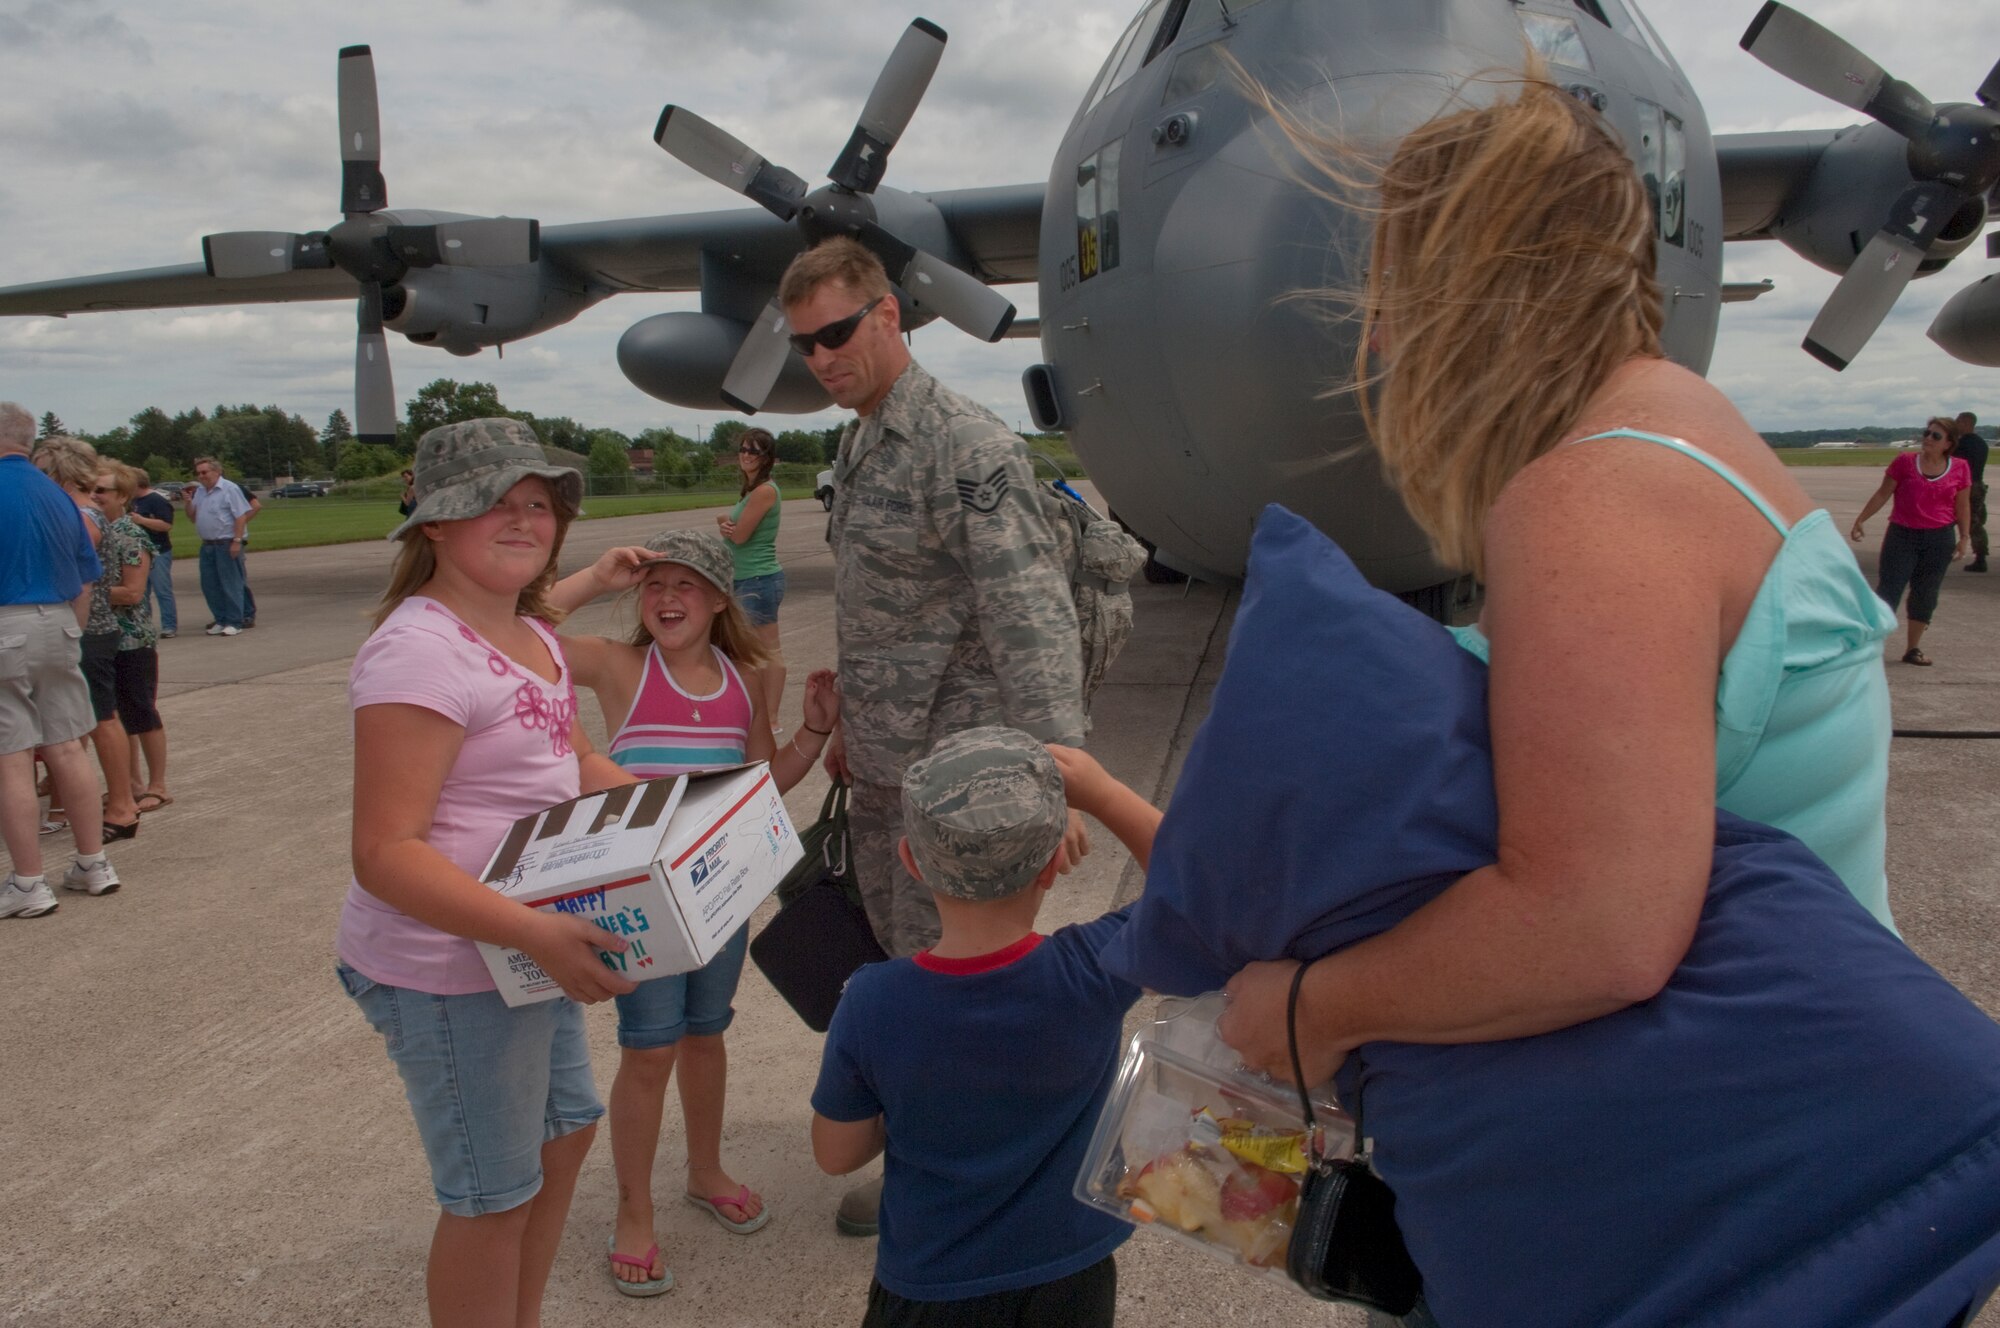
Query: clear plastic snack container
[[1193, 1145]]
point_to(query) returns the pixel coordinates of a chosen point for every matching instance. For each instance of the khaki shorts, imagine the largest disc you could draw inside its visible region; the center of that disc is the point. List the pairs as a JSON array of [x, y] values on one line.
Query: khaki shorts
[[43, 698]]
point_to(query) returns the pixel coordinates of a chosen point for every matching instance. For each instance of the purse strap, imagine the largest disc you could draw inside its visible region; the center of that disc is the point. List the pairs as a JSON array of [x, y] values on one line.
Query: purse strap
[[1315, 1136], [834, 809]]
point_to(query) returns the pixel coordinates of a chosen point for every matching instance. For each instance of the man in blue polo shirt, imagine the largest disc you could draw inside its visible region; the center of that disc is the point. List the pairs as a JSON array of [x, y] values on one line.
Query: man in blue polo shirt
[[220, 512], [47, 569]]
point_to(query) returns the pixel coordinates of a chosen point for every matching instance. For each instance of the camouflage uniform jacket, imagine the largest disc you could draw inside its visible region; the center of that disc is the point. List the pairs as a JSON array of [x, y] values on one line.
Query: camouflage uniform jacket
[[950, 605]]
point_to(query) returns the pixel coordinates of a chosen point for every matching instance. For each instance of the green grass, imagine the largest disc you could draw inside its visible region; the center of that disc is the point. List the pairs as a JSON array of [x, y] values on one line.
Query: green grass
[[297, 523], [1837, 456]]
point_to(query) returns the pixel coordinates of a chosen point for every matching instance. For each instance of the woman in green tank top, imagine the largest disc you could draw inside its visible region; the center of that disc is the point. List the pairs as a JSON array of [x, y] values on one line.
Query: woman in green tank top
[[752, 531]]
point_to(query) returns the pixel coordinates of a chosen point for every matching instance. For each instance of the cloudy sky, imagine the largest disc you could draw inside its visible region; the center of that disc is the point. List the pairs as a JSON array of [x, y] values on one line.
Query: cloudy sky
[[127, 131]]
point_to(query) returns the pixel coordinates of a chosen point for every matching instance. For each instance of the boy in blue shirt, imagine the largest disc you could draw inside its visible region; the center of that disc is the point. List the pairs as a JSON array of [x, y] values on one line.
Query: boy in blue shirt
[[980, 1065]]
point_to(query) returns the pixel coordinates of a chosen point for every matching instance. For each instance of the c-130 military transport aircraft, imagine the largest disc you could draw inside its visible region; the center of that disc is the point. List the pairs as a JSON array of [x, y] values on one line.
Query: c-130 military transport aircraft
[[1172, 224]]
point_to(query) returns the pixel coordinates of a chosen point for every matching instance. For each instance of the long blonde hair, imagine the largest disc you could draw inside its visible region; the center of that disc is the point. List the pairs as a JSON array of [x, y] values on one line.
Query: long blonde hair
[[416, 564], [1511, 272]]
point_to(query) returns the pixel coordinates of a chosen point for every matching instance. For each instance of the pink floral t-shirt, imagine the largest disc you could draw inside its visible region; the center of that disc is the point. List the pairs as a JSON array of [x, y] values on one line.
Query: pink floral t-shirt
[[516, 759]]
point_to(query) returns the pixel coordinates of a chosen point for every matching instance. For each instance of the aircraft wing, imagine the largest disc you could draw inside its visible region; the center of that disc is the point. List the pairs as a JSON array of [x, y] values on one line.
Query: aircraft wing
[[998, 228], [184, 286], [1759, 172]]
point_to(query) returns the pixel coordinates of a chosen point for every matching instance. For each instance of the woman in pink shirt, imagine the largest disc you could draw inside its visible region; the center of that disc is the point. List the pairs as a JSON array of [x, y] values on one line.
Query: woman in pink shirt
[[1932, 489], [464, 720]]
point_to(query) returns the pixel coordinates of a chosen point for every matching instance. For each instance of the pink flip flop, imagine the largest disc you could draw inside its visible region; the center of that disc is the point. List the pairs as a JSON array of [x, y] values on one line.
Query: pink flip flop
[[644, 1265], [739, 1200]]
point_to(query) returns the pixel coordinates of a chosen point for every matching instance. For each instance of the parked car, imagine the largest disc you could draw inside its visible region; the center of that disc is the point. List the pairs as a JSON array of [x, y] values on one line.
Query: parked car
[[823, 489], [170, 489], [298, 490]]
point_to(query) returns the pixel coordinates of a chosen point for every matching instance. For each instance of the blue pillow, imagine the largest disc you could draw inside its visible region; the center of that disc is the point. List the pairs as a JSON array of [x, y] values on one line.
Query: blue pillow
[[1803, 1127]]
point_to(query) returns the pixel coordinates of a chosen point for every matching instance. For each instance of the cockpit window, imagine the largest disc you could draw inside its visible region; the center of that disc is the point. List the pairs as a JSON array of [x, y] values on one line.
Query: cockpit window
[[1556, 39], [1133, 49], [1201, 14]]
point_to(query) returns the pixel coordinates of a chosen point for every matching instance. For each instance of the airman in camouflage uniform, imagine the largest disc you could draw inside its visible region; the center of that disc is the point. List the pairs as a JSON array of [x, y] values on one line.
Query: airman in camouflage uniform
[[951, 607]]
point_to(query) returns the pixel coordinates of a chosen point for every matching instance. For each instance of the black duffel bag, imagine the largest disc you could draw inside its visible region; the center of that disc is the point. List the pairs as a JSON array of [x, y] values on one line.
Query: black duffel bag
[[821, 934]]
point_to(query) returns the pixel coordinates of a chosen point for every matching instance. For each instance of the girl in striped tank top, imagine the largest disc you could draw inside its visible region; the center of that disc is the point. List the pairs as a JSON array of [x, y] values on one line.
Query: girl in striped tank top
[[686, 693]]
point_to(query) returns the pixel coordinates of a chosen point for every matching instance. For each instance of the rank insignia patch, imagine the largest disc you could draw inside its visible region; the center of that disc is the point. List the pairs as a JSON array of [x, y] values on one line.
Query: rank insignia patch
[[984, 495]]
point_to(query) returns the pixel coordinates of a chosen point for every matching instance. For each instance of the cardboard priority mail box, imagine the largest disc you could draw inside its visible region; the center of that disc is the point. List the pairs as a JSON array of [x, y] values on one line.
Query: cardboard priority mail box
[[673, 865]]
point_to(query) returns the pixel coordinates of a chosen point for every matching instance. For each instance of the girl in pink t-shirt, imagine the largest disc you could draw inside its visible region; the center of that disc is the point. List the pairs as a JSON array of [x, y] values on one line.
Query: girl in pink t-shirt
[[1932, 492], [683, 693], [464, 719]]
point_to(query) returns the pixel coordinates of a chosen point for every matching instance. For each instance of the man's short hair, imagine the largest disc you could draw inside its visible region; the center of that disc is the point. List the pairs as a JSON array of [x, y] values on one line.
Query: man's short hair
[[839, 259], [17, 428], [1967, 421], [199, 462], [141, 478]]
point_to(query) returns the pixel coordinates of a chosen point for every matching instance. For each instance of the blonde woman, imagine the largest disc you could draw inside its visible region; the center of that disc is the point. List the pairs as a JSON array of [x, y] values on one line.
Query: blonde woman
[[1671, 624], [137, 666]]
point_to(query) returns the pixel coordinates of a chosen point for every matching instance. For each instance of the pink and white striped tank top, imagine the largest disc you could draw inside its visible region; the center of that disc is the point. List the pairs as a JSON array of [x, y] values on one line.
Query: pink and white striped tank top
[[670, 732]]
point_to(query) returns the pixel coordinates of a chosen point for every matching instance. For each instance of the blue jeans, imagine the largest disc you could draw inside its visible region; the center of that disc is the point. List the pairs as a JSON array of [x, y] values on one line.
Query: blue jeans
[[661, 1011], [222, 583], [249, 600], [160, 585], [488, 1085]]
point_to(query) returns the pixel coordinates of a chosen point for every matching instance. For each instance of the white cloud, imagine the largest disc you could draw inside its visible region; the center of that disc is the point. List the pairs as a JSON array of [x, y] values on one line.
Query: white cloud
[[128, 131]]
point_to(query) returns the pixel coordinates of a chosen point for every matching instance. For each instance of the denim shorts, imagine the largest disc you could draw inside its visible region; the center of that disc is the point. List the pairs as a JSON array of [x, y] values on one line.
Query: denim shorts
[[760, 597], [488, 1085], [660, 1012]]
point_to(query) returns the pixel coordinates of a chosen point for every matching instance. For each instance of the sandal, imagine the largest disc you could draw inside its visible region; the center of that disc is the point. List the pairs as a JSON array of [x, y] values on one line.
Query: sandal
[[740, 1201], [658, 1285], [152, 802], [113, 831], [1917, 657], [52, 827]]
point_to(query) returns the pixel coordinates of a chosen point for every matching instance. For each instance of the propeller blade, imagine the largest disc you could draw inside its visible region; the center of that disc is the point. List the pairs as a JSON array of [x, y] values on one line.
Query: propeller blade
[[489, 242], [1871, 286], [374, 389], [898, 89], [1815, 58], [1989, 91], [362, 189], [261, 253], [759, 361], [728, 161], [936, 287]]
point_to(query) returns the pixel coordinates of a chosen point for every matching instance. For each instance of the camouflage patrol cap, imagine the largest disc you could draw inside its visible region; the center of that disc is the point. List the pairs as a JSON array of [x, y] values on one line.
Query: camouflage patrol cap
[[984, 812], [698, 549], [463, 469]]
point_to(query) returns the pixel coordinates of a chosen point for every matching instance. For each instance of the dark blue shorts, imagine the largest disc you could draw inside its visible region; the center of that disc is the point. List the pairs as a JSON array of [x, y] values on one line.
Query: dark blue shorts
[[760, 597]]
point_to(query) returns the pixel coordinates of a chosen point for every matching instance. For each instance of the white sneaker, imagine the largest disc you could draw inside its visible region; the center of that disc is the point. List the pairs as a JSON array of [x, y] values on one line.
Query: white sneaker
[[230, 631], [214, 629], [98, 880], [31, 902]]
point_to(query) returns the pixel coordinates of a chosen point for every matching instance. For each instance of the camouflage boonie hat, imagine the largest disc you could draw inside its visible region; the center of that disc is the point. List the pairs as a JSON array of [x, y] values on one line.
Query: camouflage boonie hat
[[463, 469], [698, 549], [984, 812]]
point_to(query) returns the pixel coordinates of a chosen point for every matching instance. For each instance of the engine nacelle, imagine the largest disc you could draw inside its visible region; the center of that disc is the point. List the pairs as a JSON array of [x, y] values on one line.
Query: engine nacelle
[[1968, 326], [683, 358], [1847, 199], [464, 309]]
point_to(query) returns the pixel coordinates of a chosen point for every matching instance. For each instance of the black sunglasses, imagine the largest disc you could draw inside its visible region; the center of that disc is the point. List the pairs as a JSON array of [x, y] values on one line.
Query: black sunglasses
[[835, 334], [1933, 433], [751, 449]]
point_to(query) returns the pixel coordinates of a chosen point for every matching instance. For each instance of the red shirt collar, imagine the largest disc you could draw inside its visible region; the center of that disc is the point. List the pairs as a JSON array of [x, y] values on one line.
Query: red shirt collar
[[972, 964]]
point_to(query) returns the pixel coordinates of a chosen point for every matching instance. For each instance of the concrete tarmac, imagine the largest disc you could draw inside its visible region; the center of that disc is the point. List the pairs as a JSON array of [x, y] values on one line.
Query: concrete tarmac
[[203, 1129]]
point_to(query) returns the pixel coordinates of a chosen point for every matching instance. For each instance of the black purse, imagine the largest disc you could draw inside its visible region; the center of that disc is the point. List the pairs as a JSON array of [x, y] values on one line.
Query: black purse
[[1346, 1245], [821, 933]]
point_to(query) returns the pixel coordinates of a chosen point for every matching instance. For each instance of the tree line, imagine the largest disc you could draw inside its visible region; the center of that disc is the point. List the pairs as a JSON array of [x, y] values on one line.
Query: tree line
[[267, 442]]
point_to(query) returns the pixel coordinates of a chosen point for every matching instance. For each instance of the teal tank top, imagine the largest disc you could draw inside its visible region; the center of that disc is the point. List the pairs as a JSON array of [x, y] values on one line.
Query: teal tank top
[[1802, 704], [758, 555]]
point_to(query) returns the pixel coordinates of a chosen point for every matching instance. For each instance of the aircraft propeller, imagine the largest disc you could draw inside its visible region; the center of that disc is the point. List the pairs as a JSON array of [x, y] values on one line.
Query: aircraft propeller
[[843, 207], [1954, 156], [375, 253]]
